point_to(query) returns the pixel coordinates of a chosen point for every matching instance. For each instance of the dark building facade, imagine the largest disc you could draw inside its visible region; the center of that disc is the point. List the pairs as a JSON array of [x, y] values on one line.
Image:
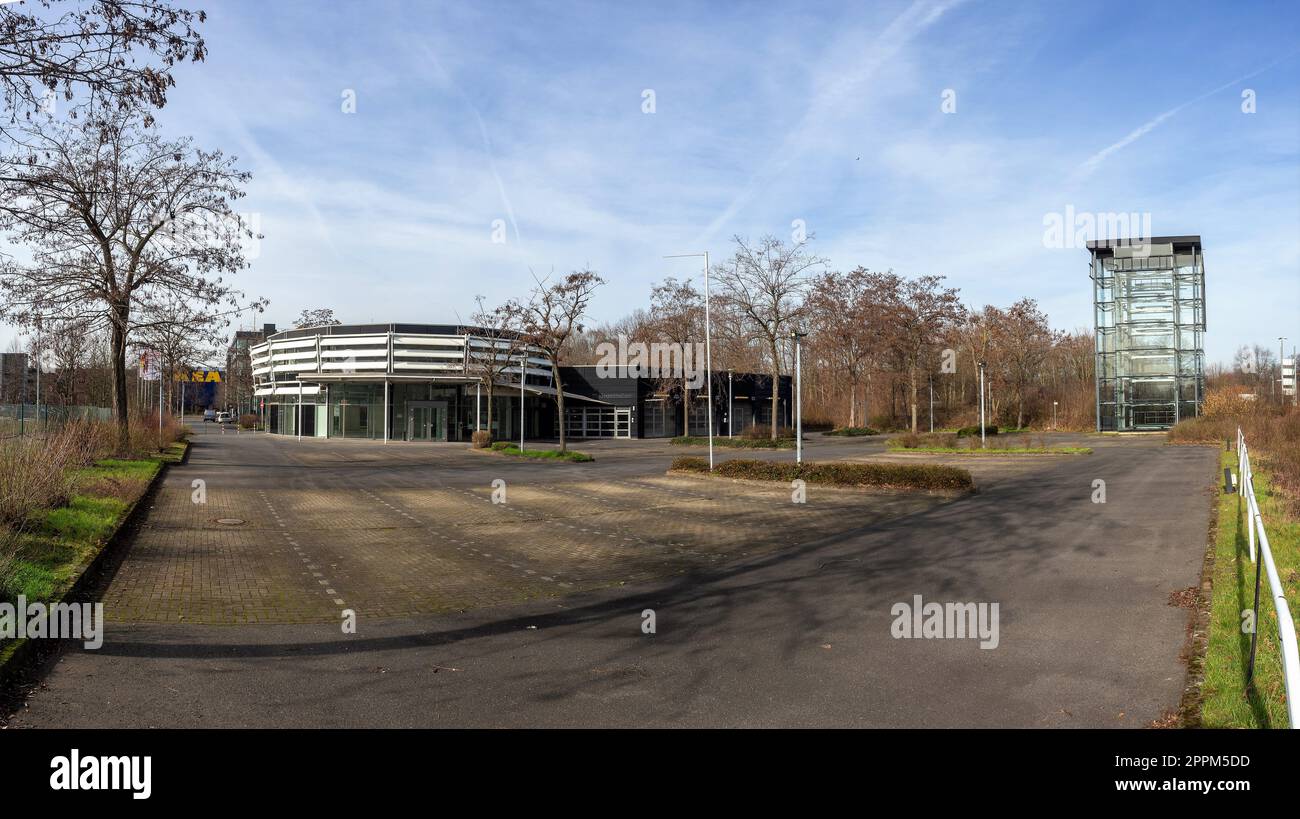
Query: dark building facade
[[237, 382], [17, 379]]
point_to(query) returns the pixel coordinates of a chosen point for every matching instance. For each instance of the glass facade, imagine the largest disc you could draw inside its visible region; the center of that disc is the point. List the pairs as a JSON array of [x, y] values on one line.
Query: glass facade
[[1149, 306], [417, 412]]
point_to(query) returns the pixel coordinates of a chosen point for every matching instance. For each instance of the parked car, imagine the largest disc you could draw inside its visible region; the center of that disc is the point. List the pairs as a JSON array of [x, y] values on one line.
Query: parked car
[[223, 417], [209, 415]]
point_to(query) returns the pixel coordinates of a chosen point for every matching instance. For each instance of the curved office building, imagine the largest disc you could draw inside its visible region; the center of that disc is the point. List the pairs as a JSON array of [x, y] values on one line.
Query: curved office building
[[417, 382], [408, 382]]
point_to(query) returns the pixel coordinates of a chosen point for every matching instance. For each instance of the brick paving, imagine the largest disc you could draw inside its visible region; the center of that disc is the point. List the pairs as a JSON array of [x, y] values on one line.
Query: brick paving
[[399, 531], [235, 626]]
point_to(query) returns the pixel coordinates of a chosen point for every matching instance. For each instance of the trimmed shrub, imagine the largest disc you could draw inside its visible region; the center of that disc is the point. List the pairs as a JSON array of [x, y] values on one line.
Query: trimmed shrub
[[248, 420], [498, 446], [481, 439], [927, 477], [690, 464], [852, 432], [735, 443], [975, 430], [764, 432]]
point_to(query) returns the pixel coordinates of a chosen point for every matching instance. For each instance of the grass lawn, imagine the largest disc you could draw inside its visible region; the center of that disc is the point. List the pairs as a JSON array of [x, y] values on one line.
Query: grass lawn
[[52, 552], [544, 454], [735, 443], [1225, 701]]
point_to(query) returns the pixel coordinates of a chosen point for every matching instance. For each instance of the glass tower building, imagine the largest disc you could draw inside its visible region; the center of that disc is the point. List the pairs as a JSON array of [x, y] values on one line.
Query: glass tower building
[[1149, 308]]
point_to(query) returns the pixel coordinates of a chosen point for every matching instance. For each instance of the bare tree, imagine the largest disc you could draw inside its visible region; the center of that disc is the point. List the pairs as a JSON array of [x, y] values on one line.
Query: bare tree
[[69, 344], [765, 284], [550, 319], [922, 312], [93, 50], [323, 317], [114, 213], [677, 316], [848, 313], [1027, 340], [582, 347], [182, 333], [502, 326]]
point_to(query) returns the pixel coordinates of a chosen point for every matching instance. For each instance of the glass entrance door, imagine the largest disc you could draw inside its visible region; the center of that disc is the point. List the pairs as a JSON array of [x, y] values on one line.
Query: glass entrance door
[[426, 421]]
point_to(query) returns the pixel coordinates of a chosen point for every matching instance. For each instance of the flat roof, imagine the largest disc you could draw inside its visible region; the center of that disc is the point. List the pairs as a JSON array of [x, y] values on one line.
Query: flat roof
[[1179, 242], [367, 329]]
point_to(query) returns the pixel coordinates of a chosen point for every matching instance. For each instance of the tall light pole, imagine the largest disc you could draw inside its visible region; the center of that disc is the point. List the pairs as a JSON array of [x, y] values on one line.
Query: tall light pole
[[38, 375], [523, 373], [981, 404], [798, 395], [931, 402], [1281, 354], [1054, 416], [708, 350]]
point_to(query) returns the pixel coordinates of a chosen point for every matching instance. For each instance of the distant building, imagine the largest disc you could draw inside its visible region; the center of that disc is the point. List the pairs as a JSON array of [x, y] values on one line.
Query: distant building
[[1149, 308], [239, 368], [17, 379]]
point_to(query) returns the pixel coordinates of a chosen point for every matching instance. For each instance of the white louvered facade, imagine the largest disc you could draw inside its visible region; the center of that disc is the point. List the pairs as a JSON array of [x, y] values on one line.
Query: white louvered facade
[[282, 365]]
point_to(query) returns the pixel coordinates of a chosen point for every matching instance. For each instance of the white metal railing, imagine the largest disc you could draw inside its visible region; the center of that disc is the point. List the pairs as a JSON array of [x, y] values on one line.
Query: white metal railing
[[1285, 625]]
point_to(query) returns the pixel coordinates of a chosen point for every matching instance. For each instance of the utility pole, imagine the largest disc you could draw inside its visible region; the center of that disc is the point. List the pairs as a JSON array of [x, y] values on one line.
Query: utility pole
[[981, 405], [38, 376], [798, 396], [931, 402]]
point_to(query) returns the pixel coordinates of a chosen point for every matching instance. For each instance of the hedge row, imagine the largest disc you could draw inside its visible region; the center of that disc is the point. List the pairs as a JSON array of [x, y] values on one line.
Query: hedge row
[[929, 477], [853, 432], [735, 443], [975, 430]]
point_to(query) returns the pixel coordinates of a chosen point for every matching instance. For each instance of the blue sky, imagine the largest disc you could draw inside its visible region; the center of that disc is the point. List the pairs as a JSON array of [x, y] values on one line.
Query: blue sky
[[764, 114]]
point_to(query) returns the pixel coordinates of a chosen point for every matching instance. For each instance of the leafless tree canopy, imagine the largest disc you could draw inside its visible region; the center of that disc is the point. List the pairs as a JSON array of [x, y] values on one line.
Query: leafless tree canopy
[[323, 317], [503, 327], [115, 215], [764, 287], [112, 50], [552, 317]]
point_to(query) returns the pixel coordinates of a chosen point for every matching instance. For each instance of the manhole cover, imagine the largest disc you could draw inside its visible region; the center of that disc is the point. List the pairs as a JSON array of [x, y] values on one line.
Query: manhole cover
[[230, 521]]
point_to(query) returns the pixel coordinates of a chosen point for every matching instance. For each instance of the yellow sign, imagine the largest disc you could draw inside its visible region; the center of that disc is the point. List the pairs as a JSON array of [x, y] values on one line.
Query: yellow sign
[[199, 376]]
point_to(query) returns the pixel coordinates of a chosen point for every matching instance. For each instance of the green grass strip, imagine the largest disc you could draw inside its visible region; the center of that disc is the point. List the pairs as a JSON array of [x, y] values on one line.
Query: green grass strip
[[1225, 701], [52, 552], [545, 454]]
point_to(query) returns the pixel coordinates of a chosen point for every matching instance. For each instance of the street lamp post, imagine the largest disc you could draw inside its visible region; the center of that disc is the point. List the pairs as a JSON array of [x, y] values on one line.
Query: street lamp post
[[38, 377], [1054, 416], [798, 395], [708, 351], [981, 405], [1281, 354], [931, 402], [731, 404]]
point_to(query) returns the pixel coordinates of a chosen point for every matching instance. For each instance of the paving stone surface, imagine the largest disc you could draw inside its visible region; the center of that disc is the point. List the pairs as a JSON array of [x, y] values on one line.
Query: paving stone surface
[[400, 530]]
